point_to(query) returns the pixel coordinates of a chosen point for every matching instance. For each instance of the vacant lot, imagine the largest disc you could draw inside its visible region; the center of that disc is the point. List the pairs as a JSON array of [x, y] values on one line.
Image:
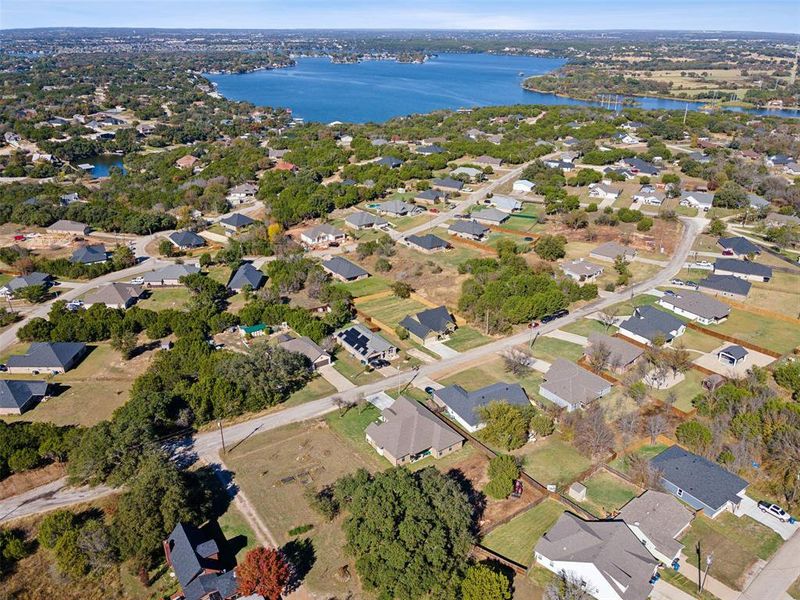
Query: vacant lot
[[552, 460], [351, 425], [465, 338], [779, 295], [606, 493], [776, 334], [549, 349], [684, 392], [587, 327], [161, 299], [275, 469], [366, 287], [390, 310], [90, 392], [737, 543], [517, 538]]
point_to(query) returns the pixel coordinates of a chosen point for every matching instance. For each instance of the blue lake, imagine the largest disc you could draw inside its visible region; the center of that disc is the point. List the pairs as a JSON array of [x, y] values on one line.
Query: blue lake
[[319, 90], [103, 163]]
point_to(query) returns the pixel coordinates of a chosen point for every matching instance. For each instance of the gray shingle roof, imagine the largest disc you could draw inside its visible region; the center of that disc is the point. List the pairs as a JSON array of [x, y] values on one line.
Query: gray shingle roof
[[466, 404], [642, 166], [622, 353], [468, 227], [436, 320], [304, 345], [237, 220], [744, 267], [18, 394], [726, 283], [490, 214], [344, 268], [573, 384], [363, 341], [389, 161], [396, 207], [190, 554], [431, 194], [701, 478], [448, 182], [660, 516], [170, 273], [735, 351], [427, 241], [741, 246], [247, 274], [649, 322], [610, 546], [186, 239], [409, 428], [114, 294], [365, 219], [87, 255], [696, 303], [47, 355], [24, 281], [581, 268]]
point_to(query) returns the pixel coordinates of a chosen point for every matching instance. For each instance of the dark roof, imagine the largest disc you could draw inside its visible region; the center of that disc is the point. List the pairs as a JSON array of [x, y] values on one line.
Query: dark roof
[[237, 220], [24, 281], [187, 239], [363, 341], [739, 245], [726, 283], [432, 149], [47, 355], [190, 553], [247, 274], [427, 241], [468, 227], [430, 194], [649, 322], [735, 351], [641, 165], [432, 320], [466, 404], [89, 254], [344, 268], [448, 182], [745, 267], [389, 161], [16, 394], [705, 480]]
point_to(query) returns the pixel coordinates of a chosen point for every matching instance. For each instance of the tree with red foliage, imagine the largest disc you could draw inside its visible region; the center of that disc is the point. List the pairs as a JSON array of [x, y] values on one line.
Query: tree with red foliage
[[264, 571]]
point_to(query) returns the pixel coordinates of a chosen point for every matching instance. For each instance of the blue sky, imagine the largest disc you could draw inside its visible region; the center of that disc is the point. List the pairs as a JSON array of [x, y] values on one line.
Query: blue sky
[[740, 15]]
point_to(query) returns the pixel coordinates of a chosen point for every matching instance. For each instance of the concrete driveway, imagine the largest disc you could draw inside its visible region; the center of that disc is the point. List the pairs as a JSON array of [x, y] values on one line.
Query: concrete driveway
[[749, 507], [441, 349], [711, 362]]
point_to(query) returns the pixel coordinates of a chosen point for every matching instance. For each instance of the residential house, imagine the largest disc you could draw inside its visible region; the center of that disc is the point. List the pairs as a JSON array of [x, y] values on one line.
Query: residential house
[[463, 406], [24, 281], [169, 275], [651, 198], [68, 199], [523, 185], [186, 240], [310, 349], [277, 153], [581, 270], [658, 519], [738, 247], [408, 432], [240, 194], [88, 255], [780, 220], [427, 243], [344, 270], [625, 138], [186, 162], [490, 216], [757, 202], [696, 306], [700, 157], [699, 200], [603, 191], [17, 396], [732, 355], [322, 235], [647, 323], [365, 345], [246, 275], [251, 331], [792, 169], [605, 555], [778, 160], [506, 204], [563, 165], [236, 221], [397, 208], [470, 230], [699, 482], [194, 558], [364, 220], [145, 129], [448, 183], [725, 285], [743, 269], [389, 161], [621, 355], [115, 295], [64, 226], [430, 324], [488, 161], [470, 172], [627, 174], [640, 167], [52, 357], [430, 196], [611, 250], [572, 387], [429, 150]]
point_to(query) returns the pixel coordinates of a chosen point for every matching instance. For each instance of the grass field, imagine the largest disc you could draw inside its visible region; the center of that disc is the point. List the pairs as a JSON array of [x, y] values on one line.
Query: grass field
[[697, 340], [517, 538], [685, 391], [646, 452], [685, 585], [235, 528], [354, 370], [366, 287], [351, 425], [737, 543], [549, 349], [586, 327], [390, 310], [318, 387], [626, 308], [466, 338], [777, 335], [492, 372], [606, 493], [552, 460], [161, 299]]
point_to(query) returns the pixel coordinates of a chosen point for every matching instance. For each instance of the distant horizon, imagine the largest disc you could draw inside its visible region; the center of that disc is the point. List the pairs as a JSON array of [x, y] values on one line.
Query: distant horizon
[[730, 16]]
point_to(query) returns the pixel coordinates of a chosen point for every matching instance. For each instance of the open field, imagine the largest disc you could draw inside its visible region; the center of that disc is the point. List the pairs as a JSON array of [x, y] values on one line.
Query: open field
[[390, 310], [465, 338], [552, 460], [92, 391], [163, 298], [366, 287], [779, 295], [607, 493], [549, 349], [275, 469], [517, 538], [777, 335], [354, 370], [737, 542]]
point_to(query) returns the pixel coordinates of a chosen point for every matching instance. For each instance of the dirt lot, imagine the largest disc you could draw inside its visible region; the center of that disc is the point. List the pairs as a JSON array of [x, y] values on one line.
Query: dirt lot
[[44, 244]]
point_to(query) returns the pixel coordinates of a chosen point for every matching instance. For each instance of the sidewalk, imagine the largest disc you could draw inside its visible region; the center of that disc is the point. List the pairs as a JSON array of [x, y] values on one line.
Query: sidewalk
[[664, 591], [719, 589]]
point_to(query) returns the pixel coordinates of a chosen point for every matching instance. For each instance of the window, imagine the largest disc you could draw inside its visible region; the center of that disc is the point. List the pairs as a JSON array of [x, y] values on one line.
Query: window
[[679, 493]]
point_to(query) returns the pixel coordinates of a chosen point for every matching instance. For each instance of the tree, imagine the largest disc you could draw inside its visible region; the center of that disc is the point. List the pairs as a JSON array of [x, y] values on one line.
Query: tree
[[593, 436], [517, 362], [32, 293], [382, 265], [503, 470], [506, 425], [787, 375], [54, 526], [542, 425], [567, 586], [401, 289], [124, 340], [551, 247], [402, 522], [621, 267], [599, 355], [481, 582], [608, 317], [656, 425], [694, 435], [730, 195], [717, 227], [166, 248], [123, 257], [263, 571]]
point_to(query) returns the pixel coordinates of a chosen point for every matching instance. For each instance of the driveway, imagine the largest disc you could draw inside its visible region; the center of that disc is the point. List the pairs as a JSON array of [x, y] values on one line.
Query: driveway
[[336, 379], [566, 336], [749, 507], [441, 349], [710, 361]]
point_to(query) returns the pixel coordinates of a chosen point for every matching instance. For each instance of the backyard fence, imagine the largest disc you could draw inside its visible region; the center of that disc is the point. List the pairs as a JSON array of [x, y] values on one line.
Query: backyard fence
[[733, 340]]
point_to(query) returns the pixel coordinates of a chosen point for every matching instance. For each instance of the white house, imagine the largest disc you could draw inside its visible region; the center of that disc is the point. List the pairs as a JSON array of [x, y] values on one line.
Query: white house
[[603, 191], [523, 185], [696, 306]]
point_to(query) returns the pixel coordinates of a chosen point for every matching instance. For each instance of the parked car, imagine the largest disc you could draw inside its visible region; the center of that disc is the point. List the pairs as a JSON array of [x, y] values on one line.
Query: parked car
[[774, 510], [429, 390], [534, 324], [561, 313], [3, 368], [137, 281], [548, 318], [669, 293], [677, 282], [727, 252]]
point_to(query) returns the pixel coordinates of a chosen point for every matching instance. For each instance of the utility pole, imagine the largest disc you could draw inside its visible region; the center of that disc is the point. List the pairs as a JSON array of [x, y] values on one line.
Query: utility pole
[[709, 560], [685, 113], [221, 436], [699, 572]]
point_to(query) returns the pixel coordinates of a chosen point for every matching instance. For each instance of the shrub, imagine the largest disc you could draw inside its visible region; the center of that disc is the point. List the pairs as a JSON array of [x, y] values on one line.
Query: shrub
[[645, 224], [592, 207], [542, 425], [300, 529], [382, 265]]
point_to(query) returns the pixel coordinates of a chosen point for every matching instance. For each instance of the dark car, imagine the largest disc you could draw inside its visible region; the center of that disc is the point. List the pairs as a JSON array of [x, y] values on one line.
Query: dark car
[[429, 390], [548, 318], [561, 313]]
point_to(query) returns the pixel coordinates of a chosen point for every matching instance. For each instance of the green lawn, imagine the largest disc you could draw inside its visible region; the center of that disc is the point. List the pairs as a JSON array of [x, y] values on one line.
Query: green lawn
[[234, 526], [351, 425], [391, 309], [313, 390], [737, 543], [161, 299], [686, 390], [366, 287], [777, 335], [552, 460], [465, 338], [684, 584], [646, 452], [586, 327], [697, 340], [606, 493], [549, 349], [354, 370], [517, 538], [626, 308]]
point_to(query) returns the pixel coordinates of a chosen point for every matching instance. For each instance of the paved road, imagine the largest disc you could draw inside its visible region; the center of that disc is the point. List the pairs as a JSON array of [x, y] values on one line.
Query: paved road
[[777, 575], [47, 497]]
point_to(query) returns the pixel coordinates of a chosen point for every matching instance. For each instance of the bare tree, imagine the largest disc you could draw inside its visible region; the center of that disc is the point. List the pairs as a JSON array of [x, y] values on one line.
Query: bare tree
[[656, 425], [677, 359], [568, 587], [607, 317], [593, 436], [642, 472], [599, 355], [628, 426], [517, 362]]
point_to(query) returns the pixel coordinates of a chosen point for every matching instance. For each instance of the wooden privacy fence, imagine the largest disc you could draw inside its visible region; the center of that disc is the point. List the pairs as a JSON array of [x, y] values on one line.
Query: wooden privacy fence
[[459, 241], [733, 340], [484, 553], [759, 311]]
